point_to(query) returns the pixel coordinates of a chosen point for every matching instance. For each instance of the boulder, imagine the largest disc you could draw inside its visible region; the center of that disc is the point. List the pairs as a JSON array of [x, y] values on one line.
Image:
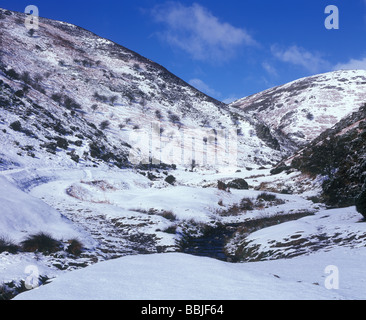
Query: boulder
[[239, 184], [170, 179]]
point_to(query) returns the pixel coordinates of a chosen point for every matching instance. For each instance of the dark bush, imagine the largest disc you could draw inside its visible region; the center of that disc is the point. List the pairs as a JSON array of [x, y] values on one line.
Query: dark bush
[[78, 143], [26, 78], [19, 93], [8, 246], [171, 230], [57, 97], [174, 118], [100, 98], [270, 198], [6, 293], [95, 150], [279, 169], [221, 185], [41, 242], [74, 156], [50, 147], [75, 247], [113, 99], [158, 114], [16, 126], [71, 104], [11, 73], [267, 197], [31, 32], [169, 215], [104, 125], [151, 176], [62, 143], [246, 204]]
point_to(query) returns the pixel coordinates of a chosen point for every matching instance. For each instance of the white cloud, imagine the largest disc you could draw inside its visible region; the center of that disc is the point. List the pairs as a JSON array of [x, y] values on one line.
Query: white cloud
[[352, 64], [198, 32], [269, 68], [202, 86], [295, 55]]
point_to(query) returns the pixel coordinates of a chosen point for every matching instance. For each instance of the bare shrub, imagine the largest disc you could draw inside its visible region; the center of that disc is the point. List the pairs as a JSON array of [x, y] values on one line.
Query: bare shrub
[[41, 242], [169, 215], [6, 245], [104, 125], [75, 247]]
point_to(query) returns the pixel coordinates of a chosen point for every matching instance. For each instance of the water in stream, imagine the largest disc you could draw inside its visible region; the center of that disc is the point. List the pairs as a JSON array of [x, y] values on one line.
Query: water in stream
[[211, 244]]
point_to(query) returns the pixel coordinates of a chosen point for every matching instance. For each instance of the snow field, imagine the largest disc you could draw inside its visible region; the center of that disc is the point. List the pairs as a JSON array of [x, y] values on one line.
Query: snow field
[[175, 276], [128, 196]]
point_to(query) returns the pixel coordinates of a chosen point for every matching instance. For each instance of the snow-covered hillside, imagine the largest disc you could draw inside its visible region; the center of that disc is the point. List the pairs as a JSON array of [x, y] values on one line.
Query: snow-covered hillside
[[337, 157], [22, 214], [299, 111], [110, 104]]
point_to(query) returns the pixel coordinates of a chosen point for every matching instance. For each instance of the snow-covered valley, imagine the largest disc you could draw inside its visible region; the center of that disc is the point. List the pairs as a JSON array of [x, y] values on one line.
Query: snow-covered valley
[[139, 224], [118, 180]]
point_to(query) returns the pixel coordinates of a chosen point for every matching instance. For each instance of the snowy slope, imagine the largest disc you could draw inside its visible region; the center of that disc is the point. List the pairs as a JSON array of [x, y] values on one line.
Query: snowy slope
[[338, 158], [183, 277], [299, 111], [22, 215], [325, 231], [66, 81], [332, 239]]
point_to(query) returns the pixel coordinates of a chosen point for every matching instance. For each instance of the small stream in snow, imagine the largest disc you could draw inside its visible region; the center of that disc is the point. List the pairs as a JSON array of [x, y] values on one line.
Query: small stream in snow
[[211, 244], [214, 239]]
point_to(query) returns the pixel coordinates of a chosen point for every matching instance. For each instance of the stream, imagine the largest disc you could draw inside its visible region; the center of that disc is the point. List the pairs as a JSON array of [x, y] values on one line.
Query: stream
[[211, 244]]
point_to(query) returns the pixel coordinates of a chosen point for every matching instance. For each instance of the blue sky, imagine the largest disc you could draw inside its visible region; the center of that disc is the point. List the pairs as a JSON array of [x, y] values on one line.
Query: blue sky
[[228, 49]]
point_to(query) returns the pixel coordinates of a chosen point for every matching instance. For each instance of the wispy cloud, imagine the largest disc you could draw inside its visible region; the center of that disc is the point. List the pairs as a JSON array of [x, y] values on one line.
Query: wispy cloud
[[352, 64], [205, 88], [269, 68], [198, 32], [311, 61]]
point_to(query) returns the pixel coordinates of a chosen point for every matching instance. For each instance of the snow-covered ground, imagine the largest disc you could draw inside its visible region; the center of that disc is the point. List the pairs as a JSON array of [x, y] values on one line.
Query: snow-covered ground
[[175, 276], [122, 215]]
